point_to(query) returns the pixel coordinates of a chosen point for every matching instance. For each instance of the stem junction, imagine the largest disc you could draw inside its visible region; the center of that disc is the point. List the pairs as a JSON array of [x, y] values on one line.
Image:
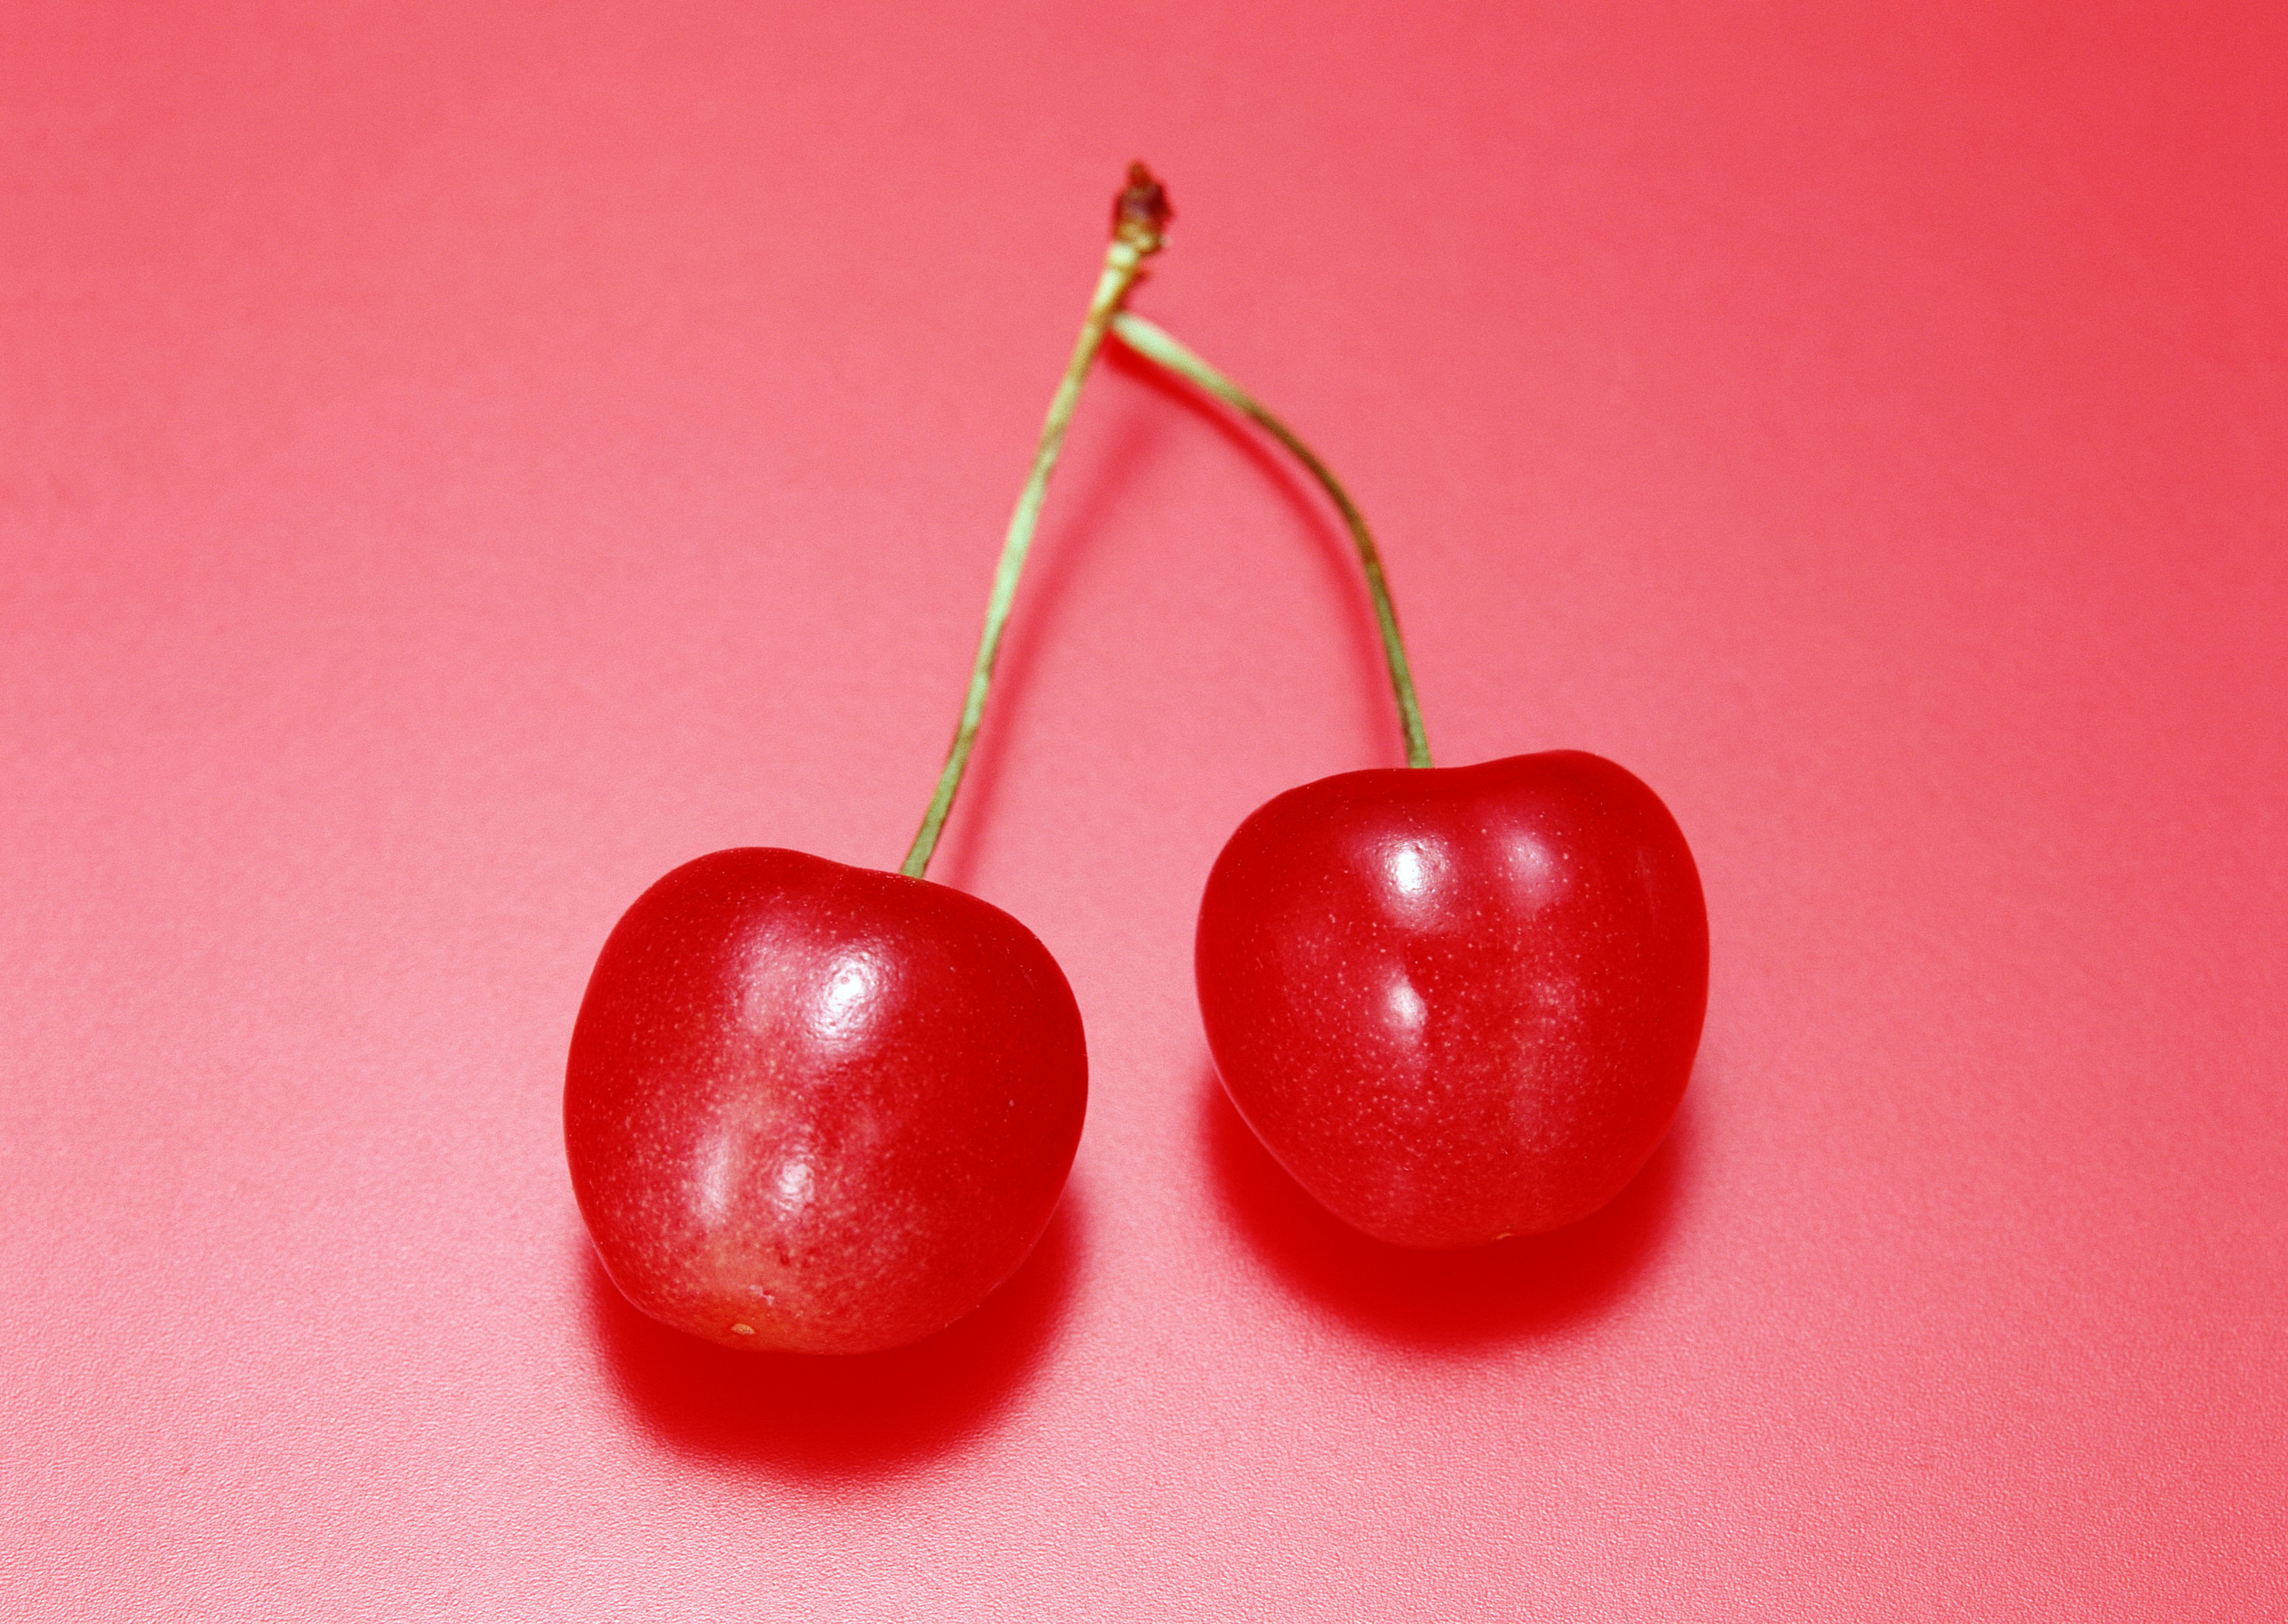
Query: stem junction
[[1139, 219]]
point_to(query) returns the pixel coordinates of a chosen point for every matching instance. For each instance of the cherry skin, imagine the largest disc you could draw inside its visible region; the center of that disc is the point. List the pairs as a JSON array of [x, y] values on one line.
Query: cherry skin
[[818, 1108], [1458, 1003]]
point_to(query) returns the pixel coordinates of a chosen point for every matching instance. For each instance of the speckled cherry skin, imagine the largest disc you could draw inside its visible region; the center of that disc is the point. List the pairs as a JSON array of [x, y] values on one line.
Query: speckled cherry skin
[[1458, 1003], [833, 1105]]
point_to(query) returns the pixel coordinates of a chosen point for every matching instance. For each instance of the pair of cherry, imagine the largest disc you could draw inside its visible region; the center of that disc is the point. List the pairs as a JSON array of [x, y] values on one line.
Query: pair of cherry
[[828, 1109]]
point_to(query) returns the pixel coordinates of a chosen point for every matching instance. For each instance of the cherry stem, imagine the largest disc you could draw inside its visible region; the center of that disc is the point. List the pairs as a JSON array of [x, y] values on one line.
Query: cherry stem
[[1140, 215], [1156, 346]]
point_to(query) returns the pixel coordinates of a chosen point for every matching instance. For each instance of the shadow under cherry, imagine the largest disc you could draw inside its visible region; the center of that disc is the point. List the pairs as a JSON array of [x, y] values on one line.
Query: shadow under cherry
[[1510, 1291], [837, 1417]]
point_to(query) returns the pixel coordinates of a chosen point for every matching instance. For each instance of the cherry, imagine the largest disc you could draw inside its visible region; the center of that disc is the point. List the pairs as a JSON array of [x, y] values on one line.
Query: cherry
[[828, 1109], [1456, 1004], [817, 1107]]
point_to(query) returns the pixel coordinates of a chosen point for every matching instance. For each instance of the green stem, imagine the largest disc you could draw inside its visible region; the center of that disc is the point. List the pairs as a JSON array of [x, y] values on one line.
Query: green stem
[[1139, 214], [1157, 346]]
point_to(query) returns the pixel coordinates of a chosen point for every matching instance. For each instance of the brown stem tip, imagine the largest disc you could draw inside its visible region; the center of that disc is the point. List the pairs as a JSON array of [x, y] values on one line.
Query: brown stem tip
[[1142, 212]]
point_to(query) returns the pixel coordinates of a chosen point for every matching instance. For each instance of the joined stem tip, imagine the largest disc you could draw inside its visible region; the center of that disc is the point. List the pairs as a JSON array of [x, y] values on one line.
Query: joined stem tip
[[1140, 213]]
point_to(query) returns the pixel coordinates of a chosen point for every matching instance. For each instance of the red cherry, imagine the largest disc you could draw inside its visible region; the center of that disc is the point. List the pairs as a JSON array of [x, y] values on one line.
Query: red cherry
[[1458, 1003], [818, 1108], [827, 1109]]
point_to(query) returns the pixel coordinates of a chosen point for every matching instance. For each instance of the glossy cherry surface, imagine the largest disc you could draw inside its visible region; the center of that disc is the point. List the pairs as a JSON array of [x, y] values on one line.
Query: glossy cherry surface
[[815, 1107], [1458, 1003]]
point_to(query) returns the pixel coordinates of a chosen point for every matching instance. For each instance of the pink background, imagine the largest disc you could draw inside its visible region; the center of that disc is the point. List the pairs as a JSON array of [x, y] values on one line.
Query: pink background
[[457, 463]]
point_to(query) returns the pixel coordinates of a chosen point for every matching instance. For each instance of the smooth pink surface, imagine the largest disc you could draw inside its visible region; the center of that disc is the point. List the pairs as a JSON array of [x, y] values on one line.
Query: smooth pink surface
[[457, 464]]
